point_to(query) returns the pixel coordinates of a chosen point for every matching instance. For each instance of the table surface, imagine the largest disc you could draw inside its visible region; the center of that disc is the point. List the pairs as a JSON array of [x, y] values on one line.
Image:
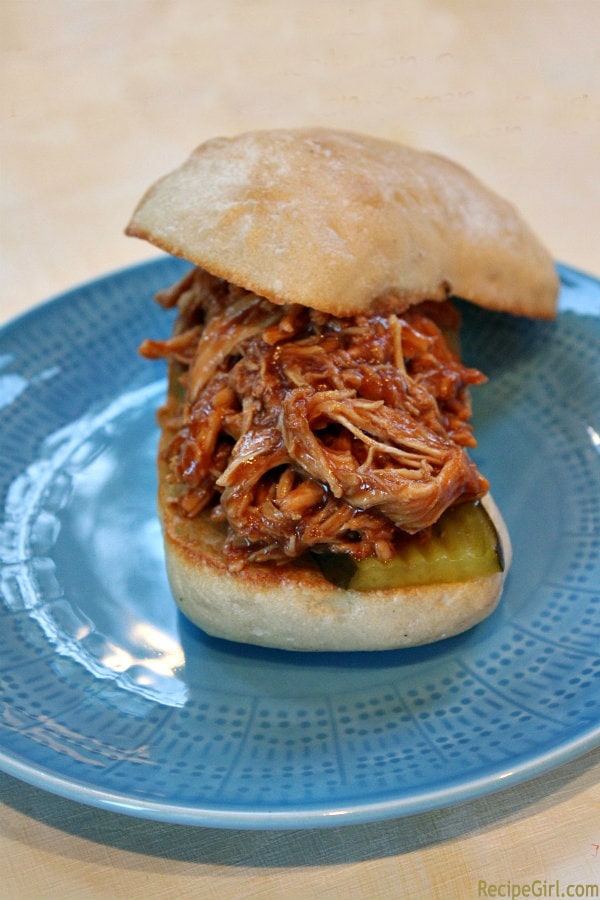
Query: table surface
[[100, 98]]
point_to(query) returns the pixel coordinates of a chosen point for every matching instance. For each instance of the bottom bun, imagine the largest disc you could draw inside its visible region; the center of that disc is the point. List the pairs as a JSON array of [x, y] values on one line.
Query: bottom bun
[[294, 607]]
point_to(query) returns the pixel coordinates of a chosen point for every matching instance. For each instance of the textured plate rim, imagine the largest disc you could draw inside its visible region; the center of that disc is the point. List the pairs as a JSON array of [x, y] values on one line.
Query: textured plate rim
[[307, 816]]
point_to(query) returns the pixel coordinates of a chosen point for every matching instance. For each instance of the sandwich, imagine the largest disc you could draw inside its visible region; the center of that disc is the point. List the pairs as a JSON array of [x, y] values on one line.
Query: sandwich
[[316, 490]]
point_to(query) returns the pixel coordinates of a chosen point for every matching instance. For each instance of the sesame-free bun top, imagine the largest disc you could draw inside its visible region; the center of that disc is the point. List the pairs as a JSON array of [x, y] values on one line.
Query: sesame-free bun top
[[346, 224]]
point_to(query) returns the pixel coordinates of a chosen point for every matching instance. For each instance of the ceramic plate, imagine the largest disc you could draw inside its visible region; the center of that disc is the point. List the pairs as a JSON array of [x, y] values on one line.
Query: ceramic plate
[[109, 697]]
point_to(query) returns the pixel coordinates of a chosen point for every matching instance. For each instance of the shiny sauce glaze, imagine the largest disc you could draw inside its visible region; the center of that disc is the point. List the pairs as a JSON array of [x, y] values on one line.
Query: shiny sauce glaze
[[307, 432]]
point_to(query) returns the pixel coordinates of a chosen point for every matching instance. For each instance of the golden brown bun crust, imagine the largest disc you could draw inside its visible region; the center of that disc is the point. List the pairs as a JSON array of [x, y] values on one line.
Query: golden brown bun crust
[[293, 607], [346, 224]]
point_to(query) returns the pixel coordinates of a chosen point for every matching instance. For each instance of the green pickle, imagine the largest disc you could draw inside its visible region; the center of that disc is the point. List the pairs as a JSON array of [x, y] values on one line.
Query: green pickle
[[462, 545]]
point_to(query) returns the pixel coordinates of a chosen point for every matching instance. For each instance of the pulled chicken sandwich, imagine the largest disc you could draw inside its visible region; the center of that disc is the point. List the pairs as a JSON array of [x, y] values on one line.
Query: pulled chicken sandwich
[[315, 486]]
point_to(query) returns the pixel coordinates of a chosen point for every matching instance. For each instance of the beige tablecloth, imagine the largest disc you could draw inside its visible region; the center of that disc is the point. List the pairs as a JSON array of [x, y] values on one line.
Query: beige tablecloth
[[100, 98]]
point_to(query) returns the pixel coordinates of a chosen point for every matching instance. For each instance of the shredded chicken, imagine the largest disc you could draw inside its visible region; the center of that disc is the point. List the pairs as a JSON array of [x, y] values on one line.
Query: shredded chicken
[[303, 431]]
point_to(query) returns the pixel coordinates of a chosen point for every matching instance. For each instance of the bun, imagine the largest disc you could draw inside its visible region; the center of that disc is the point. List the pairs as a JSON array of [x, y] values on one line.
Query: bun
[[346, 224], [294, 607], [350, 226]]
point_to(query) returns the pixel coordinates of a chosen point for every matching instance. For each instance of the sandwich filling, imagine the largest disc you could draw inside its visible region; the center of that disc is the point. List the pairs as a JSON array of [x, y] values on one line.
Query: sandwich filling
[[302, 431]]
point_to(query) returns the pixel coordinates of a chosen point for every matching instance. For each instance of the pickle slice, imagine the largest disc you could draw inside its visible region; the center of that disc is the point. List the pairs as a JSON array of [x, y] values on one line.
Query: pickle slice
[[462, 545]]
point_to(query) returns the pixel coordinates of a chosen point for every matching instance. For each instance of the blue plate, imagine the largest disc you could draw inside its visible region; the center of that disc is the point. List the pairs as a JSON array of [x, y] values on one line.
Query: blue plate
[[109, 697]]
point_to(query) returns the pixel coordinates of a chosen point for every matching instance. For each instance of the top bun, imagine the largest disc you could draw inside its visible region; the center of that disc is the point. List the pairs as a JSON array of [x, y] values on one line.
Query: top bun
[[346, 224]]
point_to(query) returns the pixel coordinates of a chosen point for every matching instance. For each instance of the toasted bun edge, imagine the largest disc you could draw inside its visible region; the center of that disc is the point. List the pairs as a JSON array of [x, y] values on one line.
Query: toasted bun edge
[[294, 607]]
